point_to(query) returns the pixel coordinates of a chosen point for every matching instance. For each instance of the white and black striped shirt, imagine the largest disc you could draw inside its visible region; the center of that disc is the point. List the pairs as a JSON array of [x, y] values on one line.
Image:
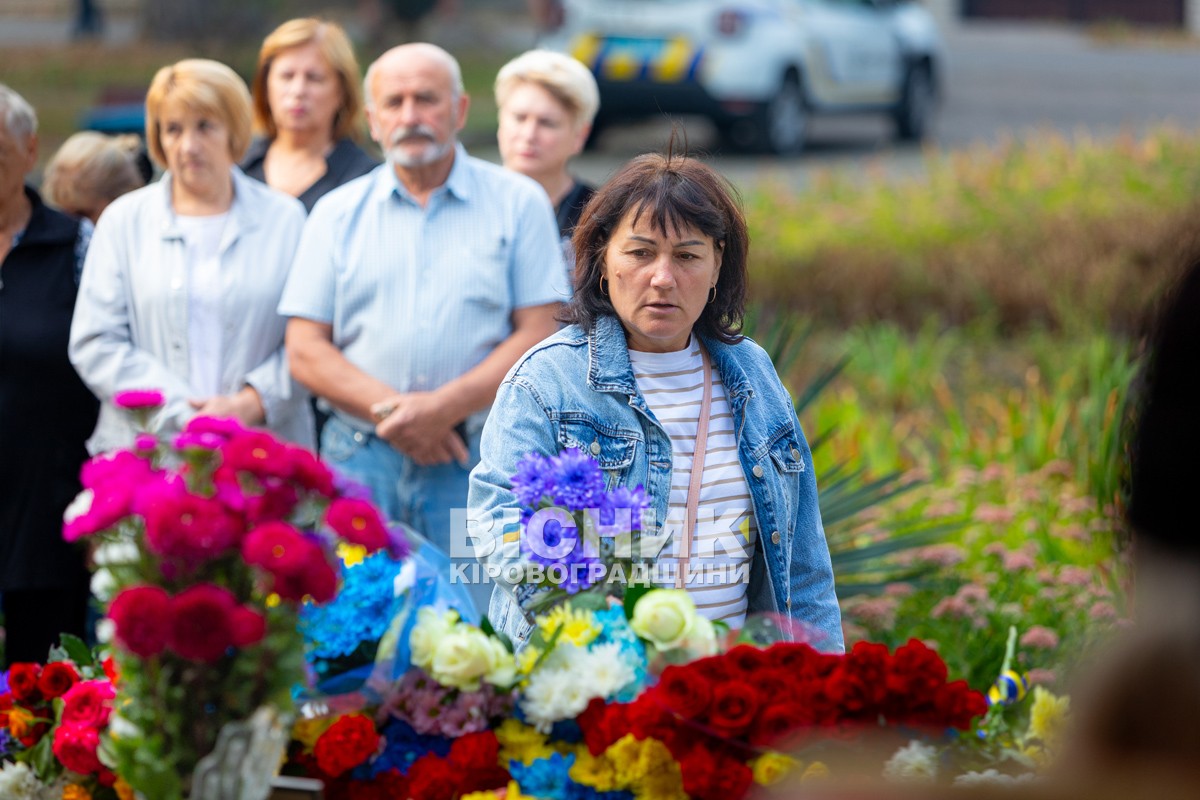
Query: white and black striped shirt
[[726, 534]]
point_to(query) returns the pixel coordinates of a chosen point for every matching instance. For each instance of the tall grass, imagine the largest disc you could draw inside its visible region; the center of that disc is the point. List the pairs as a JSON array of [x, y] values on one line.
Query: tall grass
[[1076, 235]]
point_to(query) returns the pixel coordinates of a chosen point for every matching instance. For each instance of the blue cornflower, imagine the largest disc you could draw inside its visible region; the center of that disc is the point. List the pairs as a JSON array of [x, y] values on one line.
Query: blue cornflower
[[403, 746], [578, 480], [623, 508], [544, 777], [533, 480], [360, 613]]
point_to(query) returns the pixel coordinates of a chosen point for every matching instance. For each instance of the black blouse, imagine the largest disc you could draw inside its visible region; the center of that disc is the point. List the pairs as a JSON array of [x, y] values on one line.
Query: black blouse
[[344, 163]]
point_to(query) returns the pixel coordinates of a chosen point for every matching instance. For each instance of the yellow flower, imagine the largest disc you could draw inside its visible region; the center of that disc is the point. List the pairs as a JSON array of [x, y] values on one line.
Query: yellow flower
[[514, 792], [1048, 717], [816, 771], [520, 742], [351, 554], [124, 790], [19, 721], [307, 731], [646, 767], [527, 658], [73, 791], [578, 627], [273, 600], [480, 796], [771, 768], [594, 771]]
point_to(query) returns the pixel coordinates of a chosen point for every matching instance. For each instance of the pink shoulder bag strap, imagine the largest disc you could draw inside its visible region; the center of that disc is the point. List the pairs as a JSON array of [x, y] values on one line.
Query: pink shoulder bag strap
[[698, 455]]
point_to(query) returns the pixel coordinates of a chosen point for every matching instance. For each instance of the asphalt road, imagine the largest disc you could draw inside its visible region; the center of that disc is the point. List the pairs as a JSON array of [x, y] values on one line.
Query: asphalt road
[[1001, 81]]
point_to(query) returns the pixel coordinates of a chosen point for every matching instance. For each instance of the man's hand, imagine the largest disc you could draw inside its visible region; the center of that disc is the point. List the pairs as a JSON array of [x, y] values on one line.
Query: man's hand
[[246, 406], [416, 424]]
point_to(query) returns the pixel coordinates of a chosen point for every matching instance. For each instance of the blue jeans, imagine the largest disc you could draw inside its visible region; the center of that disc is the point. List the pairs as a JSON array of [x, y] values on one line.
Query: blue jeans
[[424, 498]]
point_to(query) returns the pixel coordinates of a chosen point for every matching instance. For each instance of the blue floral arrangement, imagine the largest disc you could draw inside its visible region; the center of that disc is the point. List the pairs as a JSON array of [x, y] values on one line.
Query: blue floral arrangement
[[576, 533], [341, 637]]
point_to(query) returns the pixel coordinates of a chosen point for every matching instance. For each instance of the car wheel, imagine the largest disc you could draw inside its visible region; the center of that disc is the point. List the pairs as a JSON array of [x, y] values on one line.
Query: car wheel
[[782, 121], [915, 112]]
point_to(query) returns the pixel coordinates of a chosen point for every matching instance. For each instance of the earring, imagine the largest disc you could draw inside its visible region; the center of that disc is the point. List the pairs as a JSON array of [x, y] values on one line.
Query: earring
[[603, 286], [713, 296]]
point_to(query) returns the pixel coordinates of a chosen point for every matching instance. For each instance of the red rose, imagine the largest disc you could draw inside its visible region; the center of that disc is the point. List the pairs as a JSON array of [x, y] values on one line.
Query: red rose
[[602, 724], [872, 664], [747, 659], [23, 682], [349, 742], [56, 679], [357, 522], [89, 703], [475, 750], [699, 772], [6, 704], [75, 746], [734, 707], [142, 618], [714, 668], [956, 705], [478, 756], [248, 626], [916, 671], [684, 691], [433, 778], [732, 780], [201, 622], [777, 722]]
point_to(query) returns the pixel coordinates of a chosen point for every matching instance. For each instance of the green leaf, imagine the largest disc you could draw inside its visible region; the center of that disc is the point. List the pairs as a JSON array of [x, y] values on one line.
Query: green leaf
[[42, 760], [77, 650], [632, 595]]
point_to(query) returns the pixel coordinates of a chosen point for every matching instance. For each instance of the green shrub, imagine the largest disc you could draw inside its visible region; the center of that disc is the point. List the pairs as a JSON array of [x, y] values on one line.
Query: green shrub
[[1076, 235]]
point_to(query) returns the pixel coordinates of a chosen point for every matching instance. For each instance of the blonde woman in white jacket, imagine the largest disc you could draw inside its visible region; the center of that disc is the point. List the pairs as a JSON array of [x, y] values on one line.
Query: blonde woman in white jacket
[[182, 278]]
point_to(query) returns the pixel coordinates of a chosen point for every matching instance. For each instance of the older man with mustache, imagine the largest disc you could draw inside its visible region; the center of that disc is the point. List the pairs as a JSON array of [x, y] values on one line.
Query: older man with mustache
[[414, 289]]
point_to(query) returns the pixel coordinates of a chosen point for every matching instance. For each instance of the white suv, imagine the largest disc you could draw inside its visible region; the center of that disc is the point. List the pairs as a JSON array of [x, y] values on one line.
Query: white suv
[[758, 68]]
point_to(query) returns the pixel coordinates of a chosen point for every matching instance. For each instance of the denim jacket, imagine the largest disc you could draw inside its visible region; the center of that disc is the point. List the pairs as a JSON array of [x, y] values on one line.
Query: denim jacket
[[577, 389]]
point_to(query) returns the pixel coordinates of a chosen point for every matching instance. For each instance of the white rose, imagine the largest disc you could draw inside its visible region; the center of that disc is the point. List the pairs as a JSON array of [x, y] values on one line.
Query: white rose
[[502, 667], [461, 659], [432, 626], [664, 617], [701, 641]]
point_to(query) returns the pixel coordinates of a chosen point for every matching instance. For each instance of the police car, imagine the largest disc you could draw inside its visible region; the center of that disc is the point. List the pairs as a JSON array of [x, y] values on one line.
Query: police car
[[759, 69]]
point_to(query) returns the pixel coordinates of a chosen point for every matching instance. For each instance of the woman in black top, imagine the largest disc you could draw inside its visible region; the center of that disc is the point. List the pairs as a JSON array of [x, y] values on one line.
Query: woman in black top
[[46, 413], [547, 102], [307, 99]]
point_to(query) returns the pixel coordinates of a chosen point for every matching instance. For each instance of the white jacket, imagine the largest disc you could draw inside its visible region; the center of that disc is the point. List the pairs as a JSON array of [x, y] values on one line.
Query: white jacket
[[130, 329]]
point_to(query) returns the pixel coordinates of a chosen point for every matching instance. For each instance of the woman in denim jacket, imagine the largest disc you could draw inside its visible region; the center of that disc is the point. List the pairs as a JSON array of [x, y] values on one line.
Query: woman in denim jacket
[[660, 294]]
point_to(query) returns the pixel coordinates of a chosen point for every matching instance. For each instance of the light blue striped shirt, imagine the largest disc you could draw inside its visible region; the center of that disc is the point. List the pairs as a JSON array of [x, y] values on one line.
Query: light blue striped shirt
[[418, 296]]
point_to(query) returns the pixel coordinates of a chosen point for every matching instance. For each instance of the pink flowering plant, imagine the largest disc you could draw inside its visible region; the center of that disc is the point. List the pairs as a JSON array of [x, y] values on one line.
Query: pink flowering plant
[[207, 546]]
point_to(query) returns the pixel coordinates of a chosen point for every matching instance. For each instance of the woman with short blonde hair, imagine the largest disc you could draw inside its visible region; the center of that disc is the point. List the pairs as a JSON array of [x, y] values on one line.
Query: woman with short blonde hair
[[183, 276], [307, 111], [91, 170], [547, 102], [208, 88]]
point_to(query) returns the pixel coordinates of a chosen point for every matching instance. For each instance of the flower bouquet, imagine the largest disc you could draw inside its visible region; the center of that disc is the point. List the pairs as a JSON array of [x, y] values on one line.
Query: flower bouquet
[[209, 545], [51, 721], [578, 540]]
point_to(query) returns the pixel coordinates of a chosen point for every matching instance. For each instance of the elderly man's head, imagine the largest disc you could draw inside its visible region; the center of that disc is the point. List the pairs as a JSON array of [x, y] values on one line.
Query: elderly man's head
[[18, 141], [415, 104]]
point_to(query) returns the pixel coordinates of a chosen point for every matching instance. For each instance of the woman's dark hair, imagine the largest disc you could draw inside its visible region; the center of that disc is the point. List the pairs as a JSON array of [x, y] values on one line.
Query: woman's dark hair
[[674, 192], [1167, 435]]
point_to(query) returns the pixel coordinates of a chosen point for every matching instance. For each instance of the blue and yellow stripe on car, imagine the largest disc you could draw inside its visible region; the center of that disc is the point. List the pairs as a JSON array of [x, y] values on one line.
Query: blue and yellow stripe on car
[[673, 60]]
